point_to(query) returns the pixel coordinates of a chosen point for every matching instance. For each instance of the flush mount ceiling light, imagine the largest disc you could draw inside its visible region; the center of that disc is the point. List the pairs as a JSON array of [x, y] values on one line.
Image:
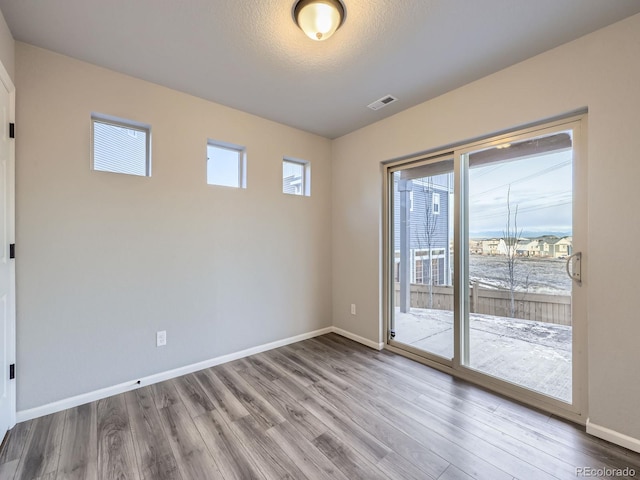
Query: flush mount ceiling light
[[319, 19]]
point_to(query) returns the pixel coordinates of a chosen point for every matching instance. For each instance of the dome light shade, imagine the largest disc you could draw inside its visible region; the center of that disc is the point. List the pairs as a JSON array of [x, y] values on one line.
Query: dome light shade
[[318, 19]]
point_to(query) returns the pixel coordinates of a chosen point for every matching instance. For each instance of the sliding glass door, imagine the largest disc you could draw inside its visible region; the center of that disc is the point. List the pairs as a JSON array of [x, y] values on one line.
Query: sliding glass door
[[484, 262], [518, 326], [422, 244]]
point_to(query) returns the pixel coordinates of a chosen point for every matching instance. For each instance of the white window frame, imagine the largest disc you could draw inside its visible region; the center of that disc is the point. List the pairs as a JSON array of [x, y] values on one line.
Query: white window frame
[[305, 189], [129, 125], [242, 162], [435, 202]]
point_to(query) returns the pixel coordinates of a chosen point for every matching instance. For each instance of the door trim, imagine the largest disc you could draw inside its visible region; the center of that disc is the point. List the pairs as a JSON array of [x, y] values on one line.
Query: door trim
[[5, 78]]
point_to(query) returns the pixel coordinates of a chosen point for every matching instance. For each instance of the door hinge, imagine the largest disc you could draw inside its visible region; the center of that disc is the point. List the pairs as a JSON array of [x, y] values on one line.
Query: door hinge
[[12, 250], [12, 130], [12, 371]]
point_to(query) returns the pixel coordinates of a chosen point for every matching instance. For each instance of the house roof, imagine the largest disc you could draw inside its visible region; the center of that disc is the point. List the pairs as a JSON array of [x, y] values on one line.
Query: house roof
[[250, 55]]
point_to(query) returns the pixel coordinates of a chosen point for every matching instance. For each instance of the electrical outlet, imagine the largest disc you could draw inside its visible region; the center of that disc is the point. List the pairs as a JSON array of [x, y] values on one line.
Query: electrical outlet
[[161, 338], [353, 309]]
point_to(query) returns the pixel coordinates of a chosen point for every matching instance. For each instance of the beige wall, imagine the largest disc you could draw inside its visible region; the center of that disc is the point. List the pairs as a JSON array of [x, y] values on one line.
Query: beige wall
[[106, 260], [600, 71], [7, 48]]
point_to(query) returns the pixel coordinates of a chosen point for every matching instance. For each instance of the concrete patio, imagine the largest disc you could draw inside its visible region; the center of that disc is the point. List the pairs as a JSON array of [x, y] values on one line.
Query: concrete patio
[[535, 355]]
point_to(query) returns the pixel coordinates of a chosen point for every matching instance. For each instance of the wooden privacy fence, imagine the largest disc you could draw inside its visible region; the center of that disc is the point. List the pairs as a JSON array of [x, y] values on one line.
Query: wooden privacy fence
[[529, 306]]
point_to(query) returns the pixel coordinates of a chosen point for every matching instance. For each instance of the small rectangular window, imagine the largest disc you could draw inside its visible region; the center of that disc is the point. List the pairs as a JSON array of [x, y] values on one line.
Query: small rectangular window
[[226, 164], [436, 204], [120, 146], [296, 177]]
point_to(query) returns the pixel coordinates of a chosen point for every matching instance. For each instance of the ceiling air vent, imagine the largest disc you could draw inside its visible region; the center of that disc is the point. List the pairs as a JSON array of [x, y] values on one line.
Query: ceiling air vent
[[382, 102]]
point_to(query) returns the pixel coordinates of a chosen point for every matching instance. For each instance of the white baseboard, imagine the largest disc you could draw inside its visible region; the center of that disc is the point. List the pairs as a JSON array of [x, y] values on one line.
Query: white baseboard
[[358, 338], [31, 413], [613, 436]]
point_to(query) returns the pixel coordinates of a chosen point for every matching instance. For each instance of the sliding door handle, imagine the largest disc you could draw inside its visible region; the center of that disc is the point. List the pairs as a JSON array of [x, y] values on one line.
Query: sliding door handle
[[574, 267]]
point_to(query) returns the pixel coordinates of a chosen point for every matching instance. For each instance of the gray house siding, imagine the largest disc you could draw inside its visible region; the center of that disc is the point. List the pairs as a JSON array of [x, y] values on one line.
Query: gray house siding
[[424, 217]]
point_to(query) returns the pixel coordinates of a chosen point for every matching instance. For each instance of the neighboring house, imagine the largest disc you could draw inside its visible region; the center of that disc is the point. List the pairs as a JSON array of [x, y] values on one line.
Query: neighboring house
[[507, 244], [429, 233], [292, 178], [292, 184], [563, 247], [490, 246], [475, 247], [523, 247], [543, 246], [552, 246], [529, 248], [131, 152]]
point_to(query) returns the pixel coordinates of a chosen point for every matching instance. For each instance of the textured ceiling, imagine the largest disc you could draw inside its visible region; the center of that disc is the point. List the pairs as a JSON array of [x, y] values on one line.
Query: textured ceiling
[[248, 54]]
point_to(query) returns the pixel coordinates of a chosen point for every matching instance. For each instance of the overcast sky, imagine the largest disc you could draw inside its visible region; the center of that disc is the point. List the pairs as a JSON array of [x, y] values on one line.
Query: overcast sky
[[541, 188]]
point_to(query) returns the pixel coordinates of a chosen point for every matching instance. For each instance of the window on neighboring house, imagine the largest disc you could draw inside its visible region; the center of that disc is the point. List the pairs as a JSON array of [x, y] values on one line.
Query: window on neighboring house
[[226, 164], [435, 271], [419, 276], [435, 203], [296, 177], [422, 271], [411, 200], [120, 146]]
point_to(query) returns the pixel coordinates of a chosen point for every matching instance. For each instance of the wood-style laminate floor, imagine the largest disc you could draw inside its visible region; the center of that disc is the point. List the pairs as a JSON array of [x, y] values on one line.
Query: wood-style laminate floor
[[325, 408]]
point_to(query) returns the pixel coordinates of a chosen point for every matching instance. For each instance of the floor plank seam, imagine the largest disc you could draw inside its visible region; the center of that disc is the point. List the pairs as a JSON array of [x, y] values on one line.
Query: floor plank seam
[[323, 408]]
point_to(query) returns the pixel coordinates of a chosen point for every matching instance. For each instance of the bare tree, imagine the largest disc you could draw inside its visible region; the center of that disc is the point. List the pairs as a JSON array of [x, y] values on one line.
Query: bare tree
[[515, 277], [427, 237]]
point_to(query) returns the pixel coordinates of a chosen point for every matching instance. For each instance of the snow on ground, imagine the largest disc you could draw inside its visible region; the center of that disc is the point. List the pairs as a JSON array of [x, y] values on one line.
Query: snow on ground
[[531, 354], [534, 275]]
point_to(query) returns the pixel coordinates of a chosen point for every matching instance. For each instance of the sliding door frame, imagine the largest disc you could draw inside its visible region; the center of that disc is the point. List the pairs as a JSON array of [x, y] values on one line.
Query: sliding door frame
[[390, 170], [577, 411]]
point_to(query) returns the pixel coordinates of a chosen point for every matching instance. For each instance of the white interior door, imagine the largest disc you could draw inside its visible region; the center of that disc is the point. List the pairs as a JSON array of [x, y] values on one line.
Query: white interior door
[[7, 271]]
